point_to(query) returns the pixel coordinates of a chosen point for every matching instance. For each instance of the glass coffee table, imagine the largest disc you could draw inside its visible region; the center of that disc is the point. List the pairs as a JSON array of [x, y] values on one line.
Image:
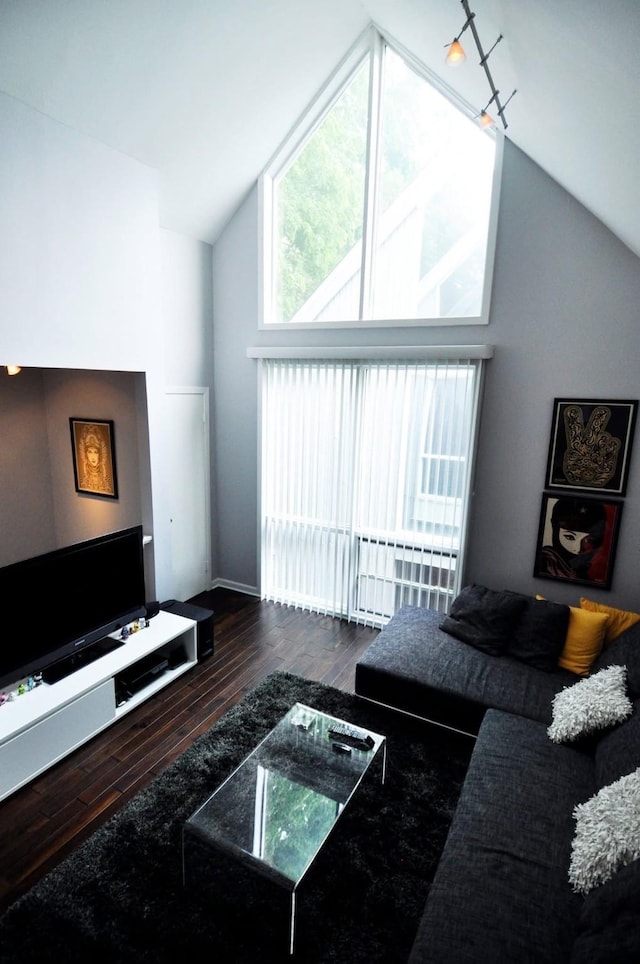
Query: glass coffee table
[[276, 810]]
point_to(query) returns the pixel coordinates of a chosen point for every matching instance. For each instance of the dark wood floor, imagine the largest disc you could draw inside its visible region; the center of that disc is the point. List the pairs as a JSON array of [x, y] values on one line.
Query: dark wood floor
[[48, 818]]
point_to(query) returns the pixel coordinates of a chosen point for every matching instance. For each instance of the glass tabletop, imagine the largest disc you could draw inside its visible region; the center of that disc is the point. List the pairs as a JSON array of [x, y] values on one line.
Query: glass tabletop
[[278, 807]]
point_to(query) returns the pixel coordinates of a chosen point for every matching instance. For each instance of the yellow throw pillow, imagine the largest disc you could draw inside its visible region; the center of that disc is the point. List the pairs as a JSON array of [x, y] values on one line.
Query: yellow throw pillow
[[586, 635], [585, 638], [619, 619]]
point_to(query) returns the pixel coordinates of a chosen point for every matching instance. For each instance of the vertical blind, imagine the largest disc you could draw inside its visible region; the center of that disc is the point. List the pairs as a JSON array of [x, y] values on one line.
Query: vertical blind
[[365, 483]]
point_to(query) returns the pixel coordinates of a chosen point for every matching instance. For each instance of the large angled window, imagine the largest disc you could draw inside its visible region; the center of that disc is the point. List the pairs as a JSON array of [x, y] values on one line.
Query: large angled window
[[381, 209]]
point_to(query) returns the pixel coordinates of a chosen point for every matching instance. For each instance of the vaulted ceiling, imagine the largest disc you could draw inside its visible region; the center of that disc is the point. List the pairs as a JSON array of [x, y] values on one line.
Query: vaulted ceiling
[[204, 91]]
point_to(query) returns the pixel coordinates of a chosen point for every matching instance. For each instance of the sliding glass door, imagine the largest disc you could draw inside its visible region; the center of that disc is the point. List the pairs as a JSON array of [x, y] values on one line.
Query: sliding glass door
[[366, 472]]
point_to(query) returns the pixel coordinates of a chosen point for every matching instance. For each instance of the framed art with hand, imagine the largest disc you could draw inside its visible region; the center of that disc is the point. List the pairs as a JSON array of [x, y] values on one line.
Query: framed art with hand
[[590, 445]]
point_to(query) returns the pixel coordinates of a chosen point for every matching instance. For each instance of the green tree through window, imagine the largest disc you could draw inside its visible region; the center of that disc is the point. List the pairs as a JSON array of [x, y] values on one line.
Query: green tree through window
[[381, 216], [321, 199]]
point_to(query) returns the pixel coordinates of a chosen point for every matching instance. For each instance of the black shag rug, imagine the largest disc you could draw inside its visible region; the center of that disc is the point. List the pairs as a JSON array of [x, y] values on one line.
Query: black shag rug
[[120, 896]]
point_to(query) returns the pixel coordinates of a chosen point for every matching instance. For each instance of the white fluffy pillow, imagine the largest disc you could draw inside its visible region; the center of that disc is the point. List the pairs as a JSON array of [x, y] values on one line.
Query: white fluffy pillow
[[607, 833], [592, 704]]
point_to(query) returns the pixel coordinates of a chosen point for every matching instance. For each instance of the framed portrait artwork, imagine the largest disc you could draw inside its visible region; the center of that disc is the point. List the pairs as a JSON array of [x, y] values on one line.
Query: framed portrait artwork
[[590, 445], [577, 539], [94, 457]]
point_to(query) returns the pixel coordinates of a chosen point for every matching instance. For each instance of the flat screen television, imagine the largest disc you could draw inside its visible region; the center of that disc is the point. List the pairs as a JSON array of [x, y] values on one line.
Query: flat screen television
[[57, 605]]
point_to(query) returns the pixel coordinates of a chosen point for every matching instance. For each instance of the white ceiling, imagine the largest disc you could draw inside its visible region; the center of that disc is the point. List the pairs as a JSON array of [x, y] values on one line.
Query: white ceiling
[[205, 90]]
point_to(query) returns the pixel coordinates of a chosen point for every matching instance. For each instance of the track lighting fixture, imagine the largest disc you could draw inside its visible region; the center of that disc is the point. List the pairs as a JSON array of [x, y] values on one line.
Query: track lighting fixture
[[13, 369], [456, 55]]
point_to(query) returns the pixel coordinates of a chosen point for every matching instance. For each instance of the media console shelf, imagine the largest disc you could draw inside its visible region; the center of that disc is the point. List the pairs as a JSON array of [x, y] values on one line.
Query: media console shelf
[[46, 723]]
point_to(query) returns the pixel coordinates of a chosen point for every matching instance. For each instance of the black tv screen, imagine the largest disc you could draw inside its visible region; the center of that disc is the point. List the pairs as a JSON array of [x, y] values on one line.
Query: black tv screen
[[59, 603]]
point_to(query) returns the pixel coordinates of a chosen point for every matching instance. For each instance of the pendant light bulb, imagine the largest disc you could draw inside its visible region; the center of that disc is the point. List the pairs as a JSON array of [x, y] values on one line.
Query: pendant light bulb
[[13, 369], [485, 120], [455, 54]]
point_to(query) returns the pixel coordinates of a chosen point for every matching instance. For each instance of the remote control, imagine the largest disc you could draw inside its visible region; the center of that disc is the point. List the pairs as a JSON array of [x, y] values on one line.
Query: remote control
[[350, 736]]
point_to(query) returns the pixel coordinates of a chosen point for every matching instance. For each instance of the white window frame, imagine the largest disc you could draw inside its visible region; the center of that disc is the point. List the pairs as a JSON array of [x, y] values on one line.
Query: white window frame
[[370, 44]]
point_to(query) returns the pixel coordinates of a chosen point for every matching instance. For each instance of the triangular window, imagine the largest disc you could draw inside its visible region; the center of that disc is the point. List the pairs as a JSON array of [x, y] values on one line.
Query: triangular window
[[381, 207]]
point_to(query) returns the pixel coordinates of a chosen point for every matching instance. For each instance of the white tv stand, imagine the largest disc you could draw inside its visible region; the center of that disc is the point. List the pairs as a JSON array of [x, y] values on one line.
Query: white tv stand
[[46, 723]]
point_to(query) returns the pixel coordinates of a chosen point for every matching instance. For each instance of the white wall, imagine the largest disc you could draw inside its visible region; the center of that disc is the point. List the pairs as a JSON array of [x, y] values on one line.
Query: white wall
[[78, 264], [187, 304], [79, 259], [187, 308], [563, 322]]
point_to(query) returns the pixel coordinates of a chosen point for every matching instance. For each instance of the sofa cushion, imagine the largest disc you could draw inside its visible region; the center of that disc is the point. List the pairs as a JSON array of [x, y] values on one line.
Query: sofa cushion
[[607, 834], [618, 752], [500, 892], [540, 633], [590, 705], [484, 618], [619, 619], [609, 928], [415, 666], [624, 651]]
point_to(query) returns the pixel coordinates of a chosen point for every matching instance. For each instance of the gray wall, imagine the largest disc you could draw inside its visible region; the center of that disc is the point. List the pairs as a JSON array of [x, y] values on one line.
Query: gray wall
[[26, 503], [187, 309], [235, 401], [563, 322], [40, 509], [89, 282], [80, 276]]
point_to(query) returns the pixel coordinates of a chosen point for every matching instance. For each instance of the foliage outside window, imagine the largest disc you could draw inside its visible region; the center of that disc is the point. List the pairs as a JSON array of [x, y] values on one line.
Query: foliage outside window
[[403, 238]]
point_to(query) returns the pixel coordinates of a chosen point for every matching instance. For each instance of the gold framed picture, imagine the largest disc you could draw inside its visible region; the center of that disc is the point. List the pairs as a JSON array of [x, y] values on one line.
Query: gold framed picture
[[590, 445], [94, 456]]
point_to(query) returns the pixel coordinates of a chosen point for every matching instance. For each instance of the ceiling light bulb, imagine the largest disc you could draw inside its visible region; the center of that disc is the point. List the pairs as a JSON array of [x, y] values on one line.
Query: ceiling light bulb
[[13, 369], [485, 120], [455, 54]]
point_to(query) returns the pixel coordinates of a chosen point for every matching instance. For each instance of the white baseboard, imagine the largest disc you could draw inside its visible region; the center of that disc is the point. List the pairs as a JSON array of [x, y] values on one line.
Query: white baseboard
[[235, 586]]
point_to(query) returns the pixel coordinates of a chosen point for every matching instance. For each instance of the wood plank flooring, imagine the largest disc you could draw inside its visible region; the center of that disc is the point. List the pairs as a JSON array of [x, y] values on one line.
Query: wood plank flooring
[[53, 814]]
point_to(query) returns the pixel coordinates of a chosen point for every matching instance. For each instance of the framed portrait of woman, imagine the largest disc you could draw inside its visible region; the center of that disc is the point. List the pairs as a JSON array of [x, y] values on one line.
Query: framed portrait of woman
[[94, 456], [577, 539]]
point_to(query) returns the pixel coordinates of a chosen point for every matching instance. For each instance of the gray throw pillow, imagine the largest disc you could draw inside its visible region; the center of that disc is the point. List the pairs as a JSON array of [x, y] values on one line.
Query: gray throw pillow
[[607, 833], [623, 651], [484, 618], [540, 633], [597, 702]]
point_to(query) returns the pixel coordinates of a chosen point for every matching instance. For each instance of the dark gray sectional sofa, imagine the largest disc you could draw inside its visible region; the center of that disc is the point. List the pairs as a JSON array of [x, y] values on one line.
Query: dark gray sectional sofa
[[502, 891], [416, 667]]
